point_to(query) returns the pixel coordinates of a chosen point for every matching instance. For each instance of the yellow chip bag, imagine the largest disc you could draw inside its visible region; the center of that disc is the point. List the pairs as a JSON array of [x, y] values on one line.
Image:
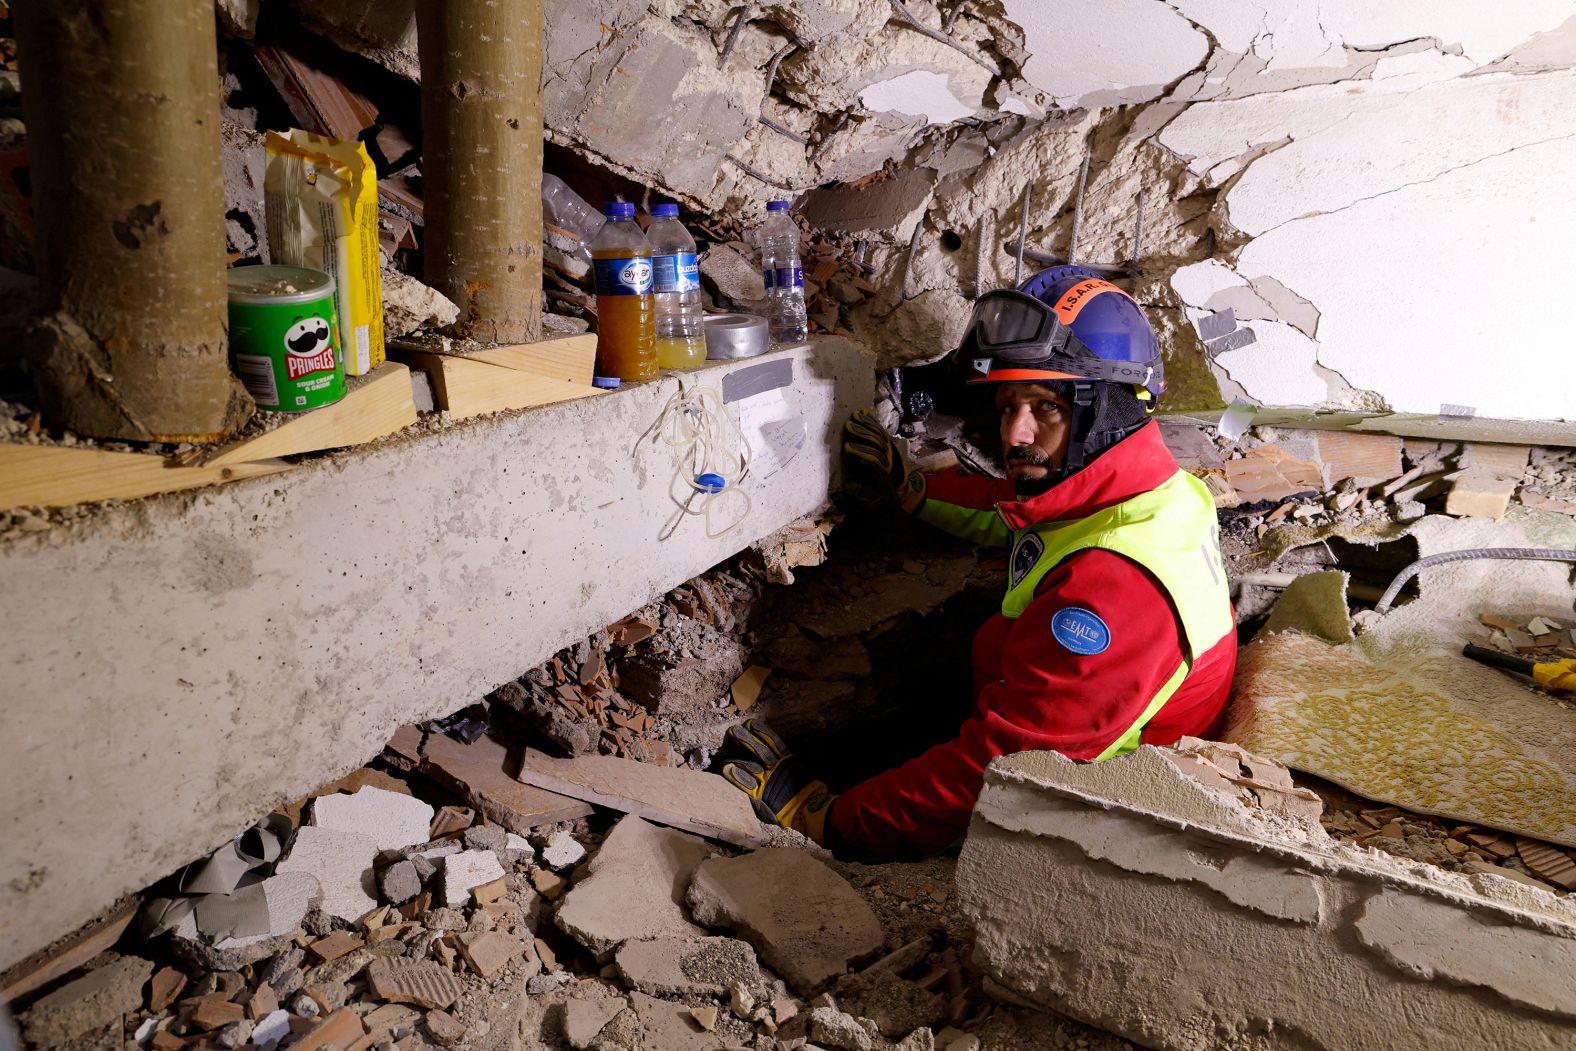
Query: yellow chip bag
[[322, 200]]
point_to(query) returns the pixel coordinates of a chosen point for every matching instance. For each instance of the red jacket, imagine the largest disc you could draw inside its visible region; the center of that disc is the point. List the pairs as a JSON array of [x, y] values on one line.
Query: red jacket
[[1029, 692]]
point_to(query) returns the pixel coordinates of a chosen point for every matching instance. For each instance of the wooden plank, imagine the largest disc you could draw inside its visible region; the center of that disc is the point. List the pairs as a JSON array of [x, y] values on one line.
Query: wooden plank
[[44, 967], [377, 405], [55, 475], [466, 387], [571, 358], [318, 100]]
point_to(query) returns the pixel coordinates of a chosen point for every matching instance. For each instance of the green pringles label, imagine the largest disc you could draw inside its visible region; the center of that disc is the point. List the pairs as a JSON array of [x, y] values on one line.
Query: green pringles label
[[284, 338]]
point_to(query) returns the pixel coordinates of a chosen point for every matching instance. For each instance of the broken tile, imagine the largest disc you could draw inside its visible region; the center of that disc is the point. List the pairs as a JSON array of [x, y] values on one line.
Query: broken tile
[[215, 1011], [1364, 458], [686, 966], [634, 887], [805, 920], [489, 952], [444, 1028], [262, 1003], [746, 688], [584, 1019], [338, 1030], [420, 982], [84, 1004], [334, 945], [682, 798], [467, 869], [1270, 473], [1547, 862], [389, 1017], [549, 884], [165, 986], [392, 820], [449, 820], [481, 772], [489, 892], [562, 850]]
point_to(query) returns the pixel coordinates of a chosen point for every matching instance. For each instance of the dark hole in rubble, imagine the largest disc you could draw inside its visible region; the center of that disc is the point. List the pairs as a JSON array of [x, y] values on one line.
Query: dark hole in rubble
[[1376, 566], [950, 241]]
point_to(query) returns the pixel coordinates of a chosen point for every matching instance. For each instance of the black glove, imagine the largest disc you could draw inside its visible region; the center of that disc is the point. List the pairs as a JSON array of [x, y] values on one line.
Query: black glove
[[871, 448]]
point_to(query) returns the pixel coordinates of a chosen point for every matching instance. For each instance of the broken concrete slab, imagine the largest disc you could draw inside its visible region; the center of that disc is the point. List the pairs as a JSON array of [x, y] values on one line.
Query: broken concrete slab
[[289, 895], [391, 819], [91, 1002], [400, 882], [584, 1019], [467, 869], [688, 799], [341, 861], [1146, 857], [805, 920], [687, 966], [483, 774], [670, 1025], [420, 982], [634, 888]]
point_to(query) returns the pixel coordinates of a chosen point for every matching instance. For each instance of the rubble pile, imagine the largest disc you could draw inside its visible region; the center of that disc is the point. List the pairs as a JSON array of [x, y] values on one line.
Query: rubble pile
[[421, 926]]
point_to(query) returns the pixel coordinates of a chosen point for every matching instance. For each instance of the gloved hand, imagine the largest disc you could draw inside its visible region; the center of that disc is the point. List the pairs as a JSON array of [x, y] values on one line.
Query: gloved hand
[[869, 445], [776, 782]]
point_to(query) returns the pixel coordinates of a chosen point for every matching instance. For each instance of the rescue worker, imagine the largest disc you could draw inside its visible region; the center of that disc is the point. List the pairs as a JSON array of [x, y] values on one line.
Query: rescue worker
[[1116, 627]]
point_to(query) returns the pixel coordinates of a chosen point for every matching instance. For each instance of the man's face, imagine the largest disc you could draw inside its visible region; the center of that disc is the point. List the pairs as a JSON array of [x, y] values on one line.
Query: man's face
[[1036, 421]]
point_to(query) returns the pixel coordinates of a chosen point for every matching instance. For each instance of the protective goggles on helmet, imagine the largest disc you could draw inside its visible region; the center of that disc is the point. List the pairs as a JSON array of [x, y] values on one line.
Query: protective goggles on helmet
[[1014, 336]]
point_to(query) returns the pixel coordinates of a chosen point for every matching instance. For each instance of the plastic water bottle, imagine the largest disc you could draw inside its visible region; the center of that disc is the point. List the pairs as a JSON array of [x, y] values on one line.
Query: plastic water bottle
[[783, 275], [626, 331], [681, 336], [567, 211]]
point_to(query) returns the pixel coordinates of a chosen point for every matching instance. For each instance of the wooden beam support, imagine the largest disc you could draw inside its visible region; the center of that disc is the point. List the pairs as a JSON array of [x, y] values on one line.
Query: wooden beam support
[[481, 105], [122, 112], [58, 475]]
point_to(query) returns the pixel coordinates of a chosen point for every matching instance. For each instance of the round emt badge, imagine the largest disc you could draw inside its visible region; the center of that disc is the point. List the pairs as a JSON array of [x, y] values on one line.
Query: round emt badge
[[1080, 631]]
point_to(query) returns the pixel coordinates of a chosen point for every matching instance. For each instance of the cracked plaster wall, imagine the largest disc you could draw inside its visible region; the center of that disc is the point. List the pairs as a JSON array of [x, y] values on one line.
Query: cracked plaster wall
[[1356, 180]]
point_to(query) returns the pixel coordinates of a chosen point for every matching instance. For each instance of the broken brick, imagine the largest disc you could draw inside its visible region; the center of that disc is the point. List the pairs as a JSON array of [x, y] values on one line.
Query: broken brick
[[418, 982], [164, 987]]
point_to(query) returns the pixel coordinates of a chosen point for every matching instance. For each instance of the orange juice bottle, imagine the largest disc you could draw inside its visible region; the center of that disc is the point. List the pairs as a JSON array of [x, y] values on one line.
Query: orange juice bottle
[[626, 318]]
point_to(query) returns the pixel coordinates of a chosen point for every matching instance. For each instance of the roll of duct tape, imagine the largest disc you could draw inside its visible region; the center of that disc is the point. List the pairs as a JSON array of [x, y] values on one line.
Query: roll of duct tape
[[731, 336]]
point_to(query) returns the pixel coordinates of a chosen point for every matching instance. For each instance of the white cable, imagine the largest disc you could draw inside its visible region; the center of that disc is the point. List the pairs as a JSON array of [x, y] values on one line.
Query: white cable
[[705, 439]]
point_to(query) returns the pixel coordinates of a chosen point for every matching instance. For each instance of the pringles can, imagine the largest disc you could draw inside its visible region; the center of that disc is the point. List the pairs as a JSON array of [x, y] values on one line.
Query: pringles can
[[284, 337]]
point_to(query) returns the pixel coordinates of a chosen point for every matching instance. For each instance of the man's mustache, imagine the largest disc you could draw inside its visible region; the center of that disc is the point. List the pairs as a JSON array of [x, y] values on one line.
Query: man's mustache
[[1025, 454]]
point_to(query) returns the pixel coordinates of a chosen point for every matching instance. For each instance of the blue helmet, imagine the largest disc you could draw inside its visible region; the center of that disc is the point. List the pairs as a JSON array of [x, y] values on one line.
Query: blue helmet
[[1065, 323]]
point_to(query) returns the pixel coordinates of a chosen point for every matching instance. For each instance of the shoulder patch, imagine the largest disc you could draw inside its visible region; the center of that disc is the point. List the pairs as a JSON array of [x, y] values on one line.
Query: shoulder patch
[[1080, 631], [1024, 556]]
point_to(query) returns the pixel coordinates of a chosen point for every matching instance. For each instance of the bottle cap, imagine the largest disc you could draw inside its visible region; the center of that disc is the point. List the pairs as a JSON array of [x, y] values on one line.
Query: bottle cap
[[776, 206], [605, 382], [665, 211], [711, 483], [618, 210]]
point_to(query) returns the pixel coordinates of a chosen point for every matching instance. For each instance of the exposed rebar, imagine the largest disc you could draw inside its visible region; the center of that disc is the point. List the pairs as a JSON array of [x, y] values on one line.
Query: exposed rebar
[[756, 173], [733, 34], [1023, 233], [785, 132], [1078, 198], [940, 37], [826, 136]]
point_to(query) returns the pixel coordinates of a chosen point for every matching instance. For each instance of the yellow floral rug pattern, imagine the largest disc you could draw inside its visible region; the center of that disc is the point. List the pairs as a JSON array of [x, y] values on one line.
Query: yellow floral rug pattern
[[1449, 738]]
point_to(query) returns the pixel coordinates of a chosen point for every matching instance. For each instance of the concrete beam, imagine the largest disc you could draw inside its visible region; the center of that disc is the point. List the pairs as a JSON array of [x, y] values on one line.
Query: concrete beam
[[1127, 894], [178, 666]]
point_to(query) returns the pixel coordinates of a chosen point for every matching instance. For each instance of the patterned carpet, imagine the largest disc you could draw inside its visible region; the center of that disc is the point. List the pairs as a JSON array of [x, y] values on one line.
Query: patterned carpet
[[1401, 717]]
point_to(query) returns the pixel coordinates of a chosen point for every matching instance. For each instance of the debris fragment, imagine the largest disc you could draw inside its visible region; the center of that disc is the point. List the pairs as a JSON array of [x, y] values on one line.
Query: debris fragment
[[83, 1005], [805, 920], [633, 888]]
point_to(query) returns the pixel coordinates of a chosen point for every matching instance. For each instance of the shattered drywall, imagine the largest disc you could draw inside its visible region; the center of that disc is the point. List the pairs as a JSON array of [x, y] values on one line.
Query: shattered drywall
[[1351, 178]]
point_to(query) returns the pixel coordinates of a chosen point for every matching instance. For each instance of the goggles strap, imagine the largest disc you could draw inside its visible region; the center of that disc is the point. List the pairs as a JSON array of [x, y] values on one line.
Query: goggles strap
[[1083, 420]]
